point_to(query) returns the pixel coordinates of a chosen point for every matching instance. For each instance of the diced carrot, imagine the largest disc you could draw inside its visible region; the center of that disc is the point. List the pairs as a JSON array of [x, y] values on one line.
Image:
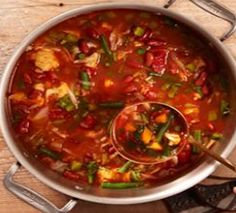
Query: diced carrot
[[162, 118], [156, 146], [108, 83], [130, 127], [146, 135], [126, 177]]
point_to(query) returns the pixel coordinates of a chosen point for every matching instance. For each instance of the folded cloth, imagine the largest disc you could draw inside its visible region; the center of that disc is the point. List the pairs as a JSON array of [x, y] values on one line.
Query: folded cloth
[[204, 199]]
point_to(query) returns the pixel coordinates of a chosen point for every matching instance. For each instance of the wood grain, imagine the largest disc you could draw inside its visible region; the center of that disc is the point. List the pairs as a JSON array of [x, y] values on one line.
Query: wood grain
[[17, 19]]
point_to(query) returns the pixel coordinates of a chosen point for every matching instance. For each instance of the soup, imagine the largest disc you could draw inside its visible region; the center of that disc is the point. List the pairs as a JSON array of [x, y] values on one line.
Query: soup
[[73, 80]]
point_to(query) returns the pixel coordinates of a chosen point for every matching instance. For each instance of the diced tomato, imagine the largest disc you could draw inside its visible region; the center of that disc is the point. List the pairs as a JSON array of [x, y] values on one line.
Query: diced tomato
[[151, 95], [201, 79], [91, 71], [92, 32], [159, 61], [131, 89], [88, 122], [83, 46], [148, 59]]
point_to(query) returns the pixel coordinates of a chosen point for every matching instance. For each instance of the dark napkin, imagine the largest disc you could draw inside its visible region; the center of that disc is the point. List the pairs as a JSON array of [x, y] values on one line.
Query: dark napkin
[[204, 199]]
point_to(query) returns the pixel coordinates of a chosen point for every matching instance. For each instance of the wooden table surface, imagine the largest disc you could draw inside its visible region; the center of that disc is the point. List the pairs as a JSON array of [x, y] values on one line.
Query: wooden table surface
[[17, 19]]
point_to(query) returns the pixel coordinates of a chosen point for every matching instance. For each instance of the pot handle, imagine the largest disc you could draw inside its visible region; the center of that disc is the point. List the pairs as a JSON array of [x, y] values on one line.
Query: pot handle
[[215, 9], [31, 197]]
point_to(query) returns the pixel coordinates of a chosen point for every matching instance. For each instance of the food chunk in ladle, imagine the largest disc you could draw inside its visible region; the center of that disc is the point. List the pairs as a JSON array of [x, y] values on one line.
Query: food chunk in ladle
[[149, 132]]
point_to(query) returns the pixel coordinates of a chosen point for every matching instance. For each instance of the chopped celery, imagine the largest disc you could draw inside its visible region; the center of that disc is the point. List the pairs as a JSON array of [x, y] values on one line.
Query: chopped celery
[[138, 31], [191, 67], [224, 108], [141, 51], [144, 118], [75, 165], [165, 86], [66, 103], [136, 176], [80, 56], [217, 136], [70, 38], [197, 134], [125, 167], [212, 116], [173, 90]]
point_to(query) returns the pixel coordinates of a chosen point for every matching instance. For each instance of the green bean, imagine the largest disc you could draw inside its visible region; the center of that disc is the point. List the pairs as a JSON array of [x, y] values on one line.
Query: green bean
[[105, 47], [164, 128], [125, 167], [49, 153], [197, 134], [113, 105], [121, 185], [92, 169], [85, 80]]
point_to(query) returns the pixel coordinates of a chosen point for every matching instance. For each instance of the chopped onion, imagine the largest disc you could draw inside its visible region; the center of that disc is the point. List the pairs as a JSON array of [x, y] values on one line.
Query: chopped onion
[[42, 113]]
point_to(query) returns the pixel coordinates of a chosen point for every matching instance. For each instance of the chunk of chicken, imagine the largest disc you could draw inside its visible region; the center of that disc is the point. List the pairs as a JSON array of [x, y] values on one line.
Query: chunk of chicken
[[46, 60]]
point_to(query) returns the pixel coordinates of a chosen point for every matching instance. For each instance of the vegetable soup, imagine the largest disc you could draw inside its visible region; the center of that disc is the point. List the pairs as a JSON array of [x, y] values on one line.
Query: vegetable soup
[[73, 80]]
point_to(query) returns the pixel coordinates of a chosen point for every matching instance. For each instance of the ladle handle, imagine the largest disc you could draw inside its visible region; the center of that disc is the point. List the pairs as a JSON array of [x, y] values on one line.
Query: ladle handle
[[214, 155]]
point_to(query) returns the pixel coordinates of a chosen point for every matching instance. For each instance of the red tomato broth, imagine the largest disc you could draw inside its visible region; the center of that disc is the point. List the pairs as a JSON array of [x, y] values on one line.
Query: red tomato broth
[[74, 79]]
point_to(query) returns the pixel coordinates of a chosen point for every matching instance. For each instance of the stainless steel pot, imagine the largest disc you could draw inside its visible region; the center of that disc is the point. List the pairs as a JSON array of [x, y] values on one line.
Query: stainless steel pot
[[106, 196]]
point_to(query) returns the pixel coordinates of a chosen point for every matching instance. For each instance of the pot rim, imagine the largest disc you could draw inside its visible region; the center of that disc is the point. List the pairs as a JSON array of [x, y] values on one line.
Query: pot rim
[[190, 179]]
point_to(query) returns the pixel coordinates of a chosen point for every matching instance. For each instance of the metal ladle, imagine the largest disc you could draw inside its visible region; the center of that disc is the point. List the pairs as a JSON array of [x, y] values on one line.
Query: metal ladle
[[125, 153]]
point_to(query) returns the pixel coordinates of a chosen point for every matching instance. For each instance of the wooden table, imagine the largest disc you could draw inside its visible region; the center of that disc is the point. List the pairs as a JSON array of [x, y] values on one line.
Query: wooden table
[[17, 19]]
